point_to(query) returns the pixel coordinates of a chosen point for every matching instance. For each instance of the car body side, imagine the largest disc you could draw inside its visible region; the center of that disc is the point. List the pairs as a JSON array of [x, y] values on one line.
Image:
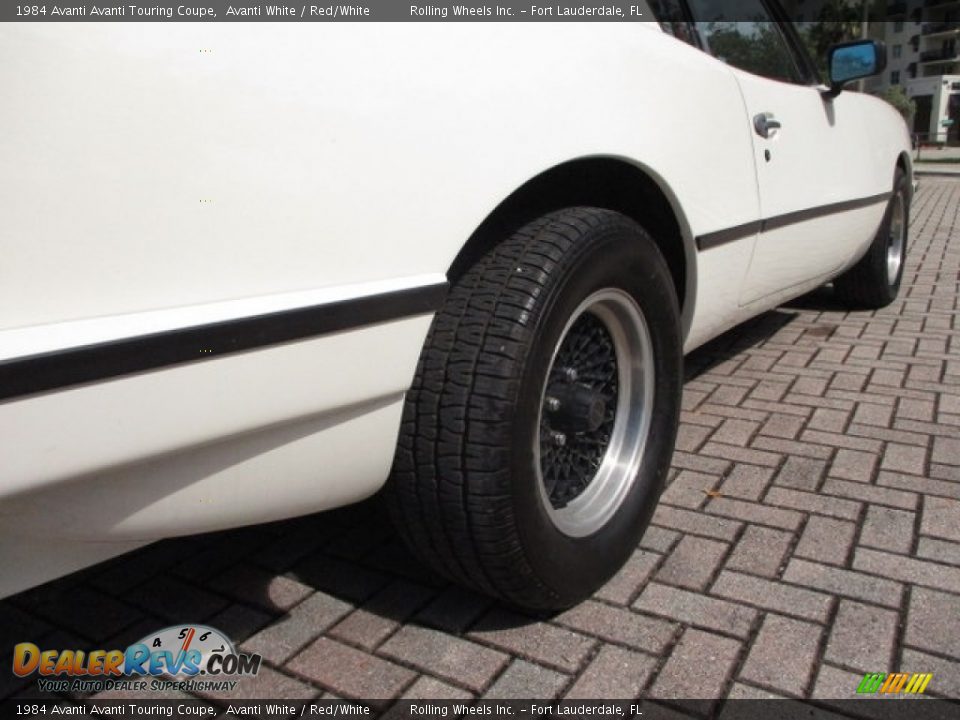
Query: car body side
[[161, 177]]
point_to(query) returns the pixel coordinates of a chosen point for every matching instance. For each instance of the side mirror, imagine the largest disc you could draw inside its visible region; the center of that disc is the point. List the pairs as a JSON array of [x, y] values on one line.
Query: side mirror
[[854, 60]]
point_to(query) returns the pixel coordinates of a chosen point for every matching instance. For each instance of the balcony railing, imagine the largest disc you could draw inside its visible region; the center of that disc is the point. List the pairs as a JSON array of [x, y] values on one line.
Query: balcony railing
[[948, 55], [940, 27]]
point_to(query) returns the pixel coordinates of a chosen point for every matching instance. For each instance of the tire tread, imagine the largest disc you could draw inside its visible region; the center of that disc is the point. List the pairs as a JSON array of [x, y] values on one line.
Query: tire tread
[[456, 420]]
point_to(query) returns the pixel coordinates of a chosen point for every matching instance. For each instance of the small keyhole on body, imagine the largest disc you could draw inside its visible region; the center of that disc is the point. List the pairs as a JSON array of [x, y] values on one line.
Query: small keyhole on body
[[766, 155]]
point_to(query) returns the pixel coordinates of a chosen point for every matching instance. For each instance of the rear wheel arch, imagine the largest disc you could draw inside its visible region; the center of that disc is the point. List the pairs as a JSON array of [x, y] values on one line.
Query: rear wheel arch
[[606, 182]]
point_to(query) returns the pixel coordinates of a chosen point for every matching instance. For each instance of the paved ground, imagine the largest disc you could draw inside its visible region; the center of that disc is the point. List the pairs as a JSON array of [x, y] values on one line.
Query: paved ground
[[951, 170], [810, 533], [937, 161], [945, 169], [933, 152]]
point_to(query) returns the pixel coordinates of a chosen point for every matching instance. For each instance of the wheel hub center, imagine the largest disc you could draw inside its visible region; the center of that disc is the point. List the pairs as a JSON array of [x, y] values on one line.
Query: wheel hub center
[[579, 408], [578, 413]]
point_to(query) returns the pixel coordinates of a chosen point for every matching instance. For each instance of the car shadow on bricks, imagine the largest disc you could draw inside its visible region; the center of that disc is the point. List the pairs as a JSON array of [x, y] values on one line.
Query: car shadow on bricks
[[764, 328], [277, 589], [821, 299], [732, 343]]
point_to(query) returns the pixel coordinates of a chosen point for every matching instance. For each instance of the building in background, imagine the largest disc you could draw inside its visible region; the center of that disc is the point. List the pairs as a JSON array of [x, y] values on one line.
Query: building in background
[[923, 56], [923, 52]]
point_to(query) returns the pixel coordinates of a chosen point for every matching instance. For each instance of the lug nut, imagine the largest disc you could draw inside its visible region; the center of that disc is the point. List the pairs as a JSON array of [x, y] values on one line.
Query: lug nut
[[558, 438], [552, 404], [570, 374]]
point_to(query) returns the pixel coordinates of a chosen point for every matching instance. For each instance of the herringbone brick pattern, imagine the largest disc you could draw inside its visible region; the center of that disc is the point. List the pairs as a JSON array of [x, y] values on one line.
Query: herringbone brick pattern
[[810, 533]]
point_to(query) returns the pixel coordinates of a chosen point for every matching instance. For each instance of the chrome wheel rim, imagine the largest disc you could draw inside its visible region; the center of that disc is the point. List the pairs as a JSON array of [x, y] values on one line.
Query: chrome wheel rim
[[595, 410], [896, 239]]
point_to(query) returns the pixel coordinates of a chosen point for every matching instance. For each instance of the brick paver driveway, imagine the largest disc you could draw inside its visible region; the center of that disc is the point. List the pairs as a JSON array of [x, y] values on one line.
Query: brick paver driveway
[[810, 532]]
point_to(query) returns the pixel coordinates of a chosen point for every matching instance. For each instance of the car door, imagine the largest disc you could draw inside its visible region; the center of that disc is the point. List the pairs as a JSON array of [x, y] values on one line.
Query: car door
[[819, 203]]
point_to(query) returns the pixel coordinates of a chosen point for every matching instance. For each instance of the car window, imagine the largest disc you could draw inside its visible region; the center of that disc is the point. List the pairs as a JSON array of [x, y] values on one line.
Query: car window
[[743, 34], [673, 20]]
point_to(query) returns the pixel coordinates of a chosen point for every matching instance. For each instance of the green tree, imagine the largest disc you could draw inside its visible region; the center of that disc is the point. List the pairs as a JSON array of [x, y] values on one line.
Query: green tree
[[837, 21], [752, 46], [896, 96]]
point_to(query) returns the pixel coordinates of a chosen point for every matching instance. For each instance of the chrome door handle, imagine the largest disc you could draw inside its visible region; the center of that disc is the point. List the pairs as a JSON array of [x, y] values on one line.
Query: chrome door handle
[[765, 124]]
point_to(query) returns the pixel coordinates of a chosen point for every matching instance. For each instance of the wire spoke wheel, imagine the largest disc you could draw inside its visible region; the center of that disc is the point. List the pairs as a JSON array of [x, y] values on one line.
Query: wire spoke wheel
[[595, 412]]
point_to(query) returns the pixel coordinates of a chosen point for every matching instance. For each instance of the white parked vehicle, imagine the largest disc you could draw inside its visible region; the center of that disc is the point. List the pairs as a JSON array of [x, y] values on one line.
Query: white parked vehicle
[[247, 269]]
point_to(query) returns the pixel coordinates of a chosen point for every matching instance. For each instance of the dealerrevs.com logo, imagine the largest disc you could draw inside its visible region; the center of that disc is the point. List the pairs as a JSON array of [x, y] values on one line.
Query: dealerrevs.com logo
[[174, 658]]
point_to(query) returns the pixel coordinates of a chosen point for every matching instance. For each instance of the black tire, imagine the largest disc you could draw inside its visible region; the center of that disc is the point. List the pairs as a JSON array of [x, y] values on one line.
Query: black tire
[[464, 492], [870, 284]]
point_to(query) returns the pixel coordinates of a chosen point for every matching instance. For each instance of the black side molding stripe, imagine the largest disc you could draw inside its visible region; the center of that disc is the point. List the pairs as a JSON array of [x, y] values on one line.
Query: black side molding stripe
[[62, 368], [721, 237], [803, 215]]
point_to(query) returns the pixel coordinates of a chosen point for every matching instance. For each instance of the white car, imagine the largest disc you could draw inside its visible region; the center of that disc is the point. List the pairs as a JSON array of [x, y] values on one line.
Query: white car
[[254, 271]]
